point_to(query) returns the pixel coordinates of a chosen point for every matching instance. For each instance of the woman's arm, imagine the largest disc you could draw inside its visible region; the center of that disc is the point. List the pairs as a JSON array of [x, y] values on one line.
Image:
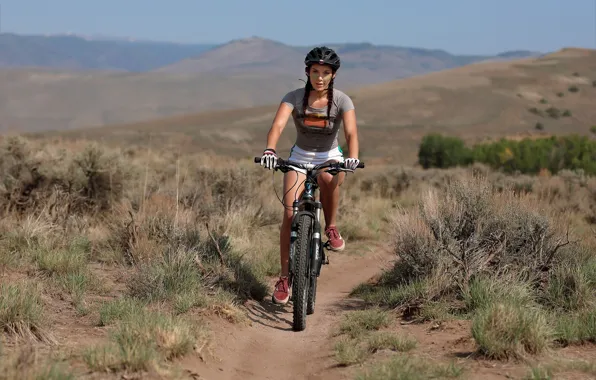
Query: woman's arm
[[351, 133], [279, 123]]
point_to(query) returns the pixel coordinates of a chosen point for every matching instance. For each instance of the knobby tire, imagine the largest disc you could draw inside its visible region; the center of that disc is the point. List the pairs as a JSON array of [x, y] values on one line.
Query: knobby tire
[[301, 284], [312, 297], [312, 290]]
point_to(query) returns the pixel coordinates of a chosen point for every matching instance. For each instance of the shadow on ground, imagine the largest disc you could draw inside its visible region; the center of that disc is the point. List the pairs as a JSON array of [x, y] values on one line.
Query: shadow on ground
[[268, 314]]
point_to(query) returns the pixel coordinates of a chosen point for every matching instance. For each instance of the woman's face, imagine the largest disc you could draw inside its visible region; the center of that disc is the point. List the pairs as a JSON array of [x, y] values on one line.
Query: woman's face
[[320, 76]]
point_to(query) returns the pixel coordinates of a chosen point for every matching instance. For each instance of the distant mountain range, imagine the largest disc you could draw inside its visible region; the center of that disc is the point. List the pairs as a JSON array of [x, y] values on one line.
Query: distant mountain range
[[70, 51], [77, 52], [70, 81]]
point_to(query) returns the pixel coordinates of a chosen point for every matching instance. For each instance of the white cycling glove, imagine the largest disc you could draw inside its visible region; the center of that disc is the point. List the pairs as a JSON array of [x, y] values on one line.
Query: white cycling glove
[[269, 159], [351, 163]]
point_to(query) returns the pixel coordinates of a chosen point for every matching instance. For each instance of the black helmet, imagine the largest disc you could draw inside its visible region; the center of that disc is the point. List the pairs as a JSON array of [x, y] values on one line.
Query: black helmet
[[323, 56]]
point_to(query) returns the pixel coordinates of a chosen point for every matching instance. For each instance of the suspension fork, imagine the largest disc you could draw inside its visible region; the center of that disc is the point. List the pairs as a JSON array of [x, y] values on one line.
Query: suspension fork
[[293, 237], [315, 268]]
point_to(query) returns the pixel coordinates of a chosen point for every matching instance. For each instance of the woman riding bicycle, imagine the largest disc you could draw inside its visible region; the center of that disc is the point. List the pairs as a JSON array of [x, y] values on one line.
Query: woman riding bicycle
[[318, 111]]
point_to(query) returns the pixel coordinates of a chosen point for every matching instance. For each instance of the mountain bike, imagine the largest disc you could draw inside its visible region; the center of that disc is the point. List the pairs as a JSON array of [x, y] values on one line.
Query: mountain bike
[[307, 254]]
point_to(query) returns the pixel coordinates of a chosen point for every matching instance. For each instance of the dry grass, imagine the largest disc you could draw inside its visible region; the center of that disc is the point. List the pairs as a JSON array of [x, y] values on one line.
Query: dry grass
[[143, 341], [140, 243], [363, 333], [509, 253], [405, 367], [27, 363], [146, 240], [21, 311]]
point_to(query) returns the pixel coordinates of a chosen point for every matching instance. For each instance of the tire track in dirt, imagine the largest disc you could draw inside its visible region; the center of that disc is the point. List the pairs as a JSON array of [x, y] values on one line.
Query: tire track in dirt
[[269, 349]]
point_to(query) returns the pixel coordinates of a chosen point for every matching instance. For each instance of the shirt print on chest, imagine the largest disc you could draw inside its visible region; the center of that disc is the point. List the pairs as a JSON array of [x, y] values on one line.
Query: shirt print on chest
[[315, 119]]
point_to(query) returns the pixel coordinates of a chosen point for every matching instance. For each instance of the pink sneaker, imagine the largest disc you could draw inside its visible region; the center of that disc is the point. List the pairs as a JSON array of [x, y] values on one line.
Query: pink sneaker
[[336, 243], [281, 294]]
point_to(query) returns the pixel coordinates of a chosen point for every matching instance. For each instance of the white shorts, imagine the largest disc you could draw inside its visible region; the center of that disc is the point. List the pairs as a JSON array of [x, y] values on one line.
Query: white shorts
[[316, 158]]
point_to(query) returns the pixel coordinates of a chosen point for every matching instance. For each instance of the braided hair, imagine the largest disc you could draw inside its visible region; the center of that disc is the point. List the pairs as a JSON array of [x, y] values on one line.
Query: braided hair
[[307, 89]]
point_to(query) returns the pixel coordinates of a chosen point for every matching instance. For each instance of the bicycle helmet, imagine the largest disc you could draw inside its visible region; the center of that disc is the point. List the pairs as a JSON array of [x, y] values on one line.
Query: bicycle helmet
[[323, 56]]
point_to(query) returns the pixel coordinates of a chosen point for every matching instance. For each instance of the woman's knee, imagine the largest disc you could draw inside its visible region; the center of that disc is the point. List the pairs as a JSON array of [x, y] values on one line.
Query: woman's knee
[[330, 182], [325, 180]]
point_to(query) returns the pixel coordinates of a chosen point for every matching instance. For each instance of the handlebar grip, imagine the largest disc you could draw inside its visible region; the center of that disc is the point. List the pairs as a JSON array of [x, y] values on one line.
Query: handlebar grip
[[257, 160], [360, 164]]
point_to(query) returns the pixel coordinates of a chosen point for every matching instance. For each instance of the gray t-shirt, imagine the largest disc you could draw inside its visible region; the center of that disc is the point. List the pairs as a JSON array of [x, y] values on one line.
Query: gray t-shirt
[[314, 132]]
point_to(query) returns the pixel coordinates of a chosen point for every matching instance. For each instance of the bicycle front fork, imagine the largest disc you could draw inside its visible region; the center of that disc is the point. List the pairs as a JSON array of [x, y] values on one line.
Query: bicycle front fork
[[317, 251], [293, 237]]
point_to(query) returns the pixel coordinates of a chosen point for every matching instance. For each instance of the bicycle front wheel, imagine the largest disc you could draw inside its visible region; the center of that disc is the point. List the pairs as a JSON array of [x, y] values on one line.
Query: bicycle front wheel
[[301, 281]]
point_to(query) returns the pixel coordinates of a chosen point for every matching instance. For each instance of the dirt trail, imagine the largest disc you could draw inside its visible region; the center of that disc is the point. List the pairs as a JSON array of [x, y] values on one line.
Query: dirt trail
[[269, 349]]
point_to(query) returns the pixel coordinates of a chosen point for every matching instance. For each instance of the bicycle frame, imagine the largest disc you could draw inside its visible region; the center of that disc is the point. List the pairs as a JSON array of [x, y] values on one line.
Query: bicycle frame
[[307, 203], [305, 231]]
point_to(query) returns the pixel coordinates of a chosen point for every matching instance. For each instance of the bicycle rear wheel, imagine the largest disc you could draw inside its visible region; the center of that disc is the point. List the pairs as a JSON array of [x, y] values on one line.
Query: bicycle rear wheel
[[301, 283]]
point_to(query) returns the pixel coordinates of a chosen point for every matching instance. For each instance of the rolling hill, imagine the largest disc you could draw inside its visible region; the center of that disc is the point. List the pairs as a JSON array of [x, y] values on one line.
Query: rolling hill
[[363, 63], [92, 83], [72, 52], [477, 101]]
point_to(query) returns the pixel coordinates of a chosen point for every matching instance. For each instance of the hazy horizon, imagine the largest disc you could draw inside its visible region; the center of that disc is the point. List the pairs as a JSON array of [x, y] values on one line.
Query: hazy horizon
[[462, 27]]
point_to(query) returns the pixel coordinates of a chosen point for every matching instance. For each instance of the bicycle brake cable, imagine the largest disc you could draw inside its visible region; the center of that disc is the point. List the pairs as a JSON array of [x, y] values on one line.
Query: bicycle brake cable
[[287, 192]]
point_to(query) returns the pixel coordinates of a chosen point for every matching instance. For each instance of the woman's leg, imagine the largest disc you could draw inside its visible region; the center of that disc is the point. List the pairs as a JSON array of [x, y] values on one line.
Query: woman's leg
[[293, 186], [329, 189]]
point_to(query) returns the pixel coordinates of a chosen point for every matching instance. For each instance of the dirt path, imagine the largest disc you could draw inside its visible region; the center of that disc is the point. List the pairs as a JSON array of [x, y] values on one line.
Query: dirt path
[[269, 349]]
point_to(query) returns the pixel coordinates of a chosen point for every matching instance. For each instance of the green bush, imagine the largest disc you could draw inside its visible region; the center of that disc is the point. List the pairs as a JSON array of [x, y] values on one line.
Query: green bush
[[535, 111], [553, 112], [530, 156], [443, 152]]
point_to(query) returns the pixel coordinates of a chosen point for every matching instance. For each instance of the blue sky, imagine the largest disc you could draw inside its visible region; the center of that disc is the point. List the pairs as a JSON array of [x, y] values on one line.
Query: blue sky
[[458, 26]]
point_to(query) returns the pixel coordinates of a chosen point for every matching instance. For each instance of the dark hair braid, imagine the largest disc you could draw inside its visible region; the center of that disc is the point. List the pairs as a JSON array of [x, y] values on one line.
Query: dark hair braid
[[307, 89], [330, 97]]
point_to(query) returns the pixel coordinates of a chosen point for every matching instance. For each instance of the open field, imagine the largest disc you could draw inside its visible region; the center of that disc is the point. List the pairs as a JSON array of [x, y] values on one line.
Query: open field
[[476, 102], [150, 250], [127, 262]]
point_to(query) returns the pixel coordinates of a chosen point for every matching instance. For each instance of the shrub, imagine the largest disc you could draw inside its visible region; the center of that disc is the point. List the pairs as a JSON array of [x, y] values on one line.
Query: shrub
[[35, 176], [505, 331], [553, 112], [535, 111], [21, 310], [573, 88], [443, 152], [552, 153], [469, 241], [470, 230]]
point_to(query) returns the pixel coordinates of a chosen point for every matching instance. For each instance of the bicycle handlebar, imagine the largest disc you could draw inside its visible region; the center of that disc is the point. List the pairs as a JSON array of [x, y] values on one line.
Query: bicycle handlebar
[[282, 163]]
